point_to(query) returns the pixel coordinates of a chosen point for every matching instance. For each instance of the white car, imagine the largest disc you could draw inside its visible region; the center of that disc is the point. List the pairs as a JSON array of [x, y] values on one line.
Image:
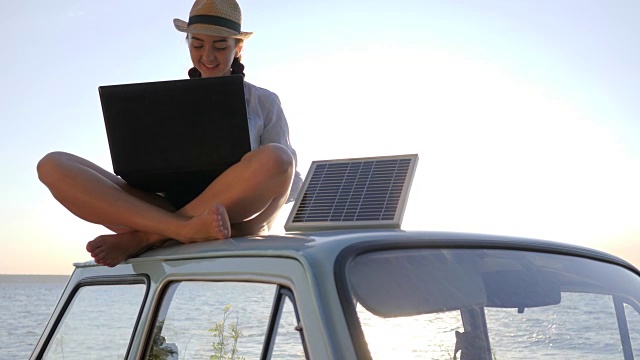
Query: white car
[[351, 284]]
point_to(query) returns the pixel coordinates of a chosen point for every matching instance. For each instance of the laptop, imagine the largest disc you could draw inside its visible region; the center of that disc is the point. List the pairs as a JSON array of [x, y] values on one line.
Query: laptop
[[163, 135]]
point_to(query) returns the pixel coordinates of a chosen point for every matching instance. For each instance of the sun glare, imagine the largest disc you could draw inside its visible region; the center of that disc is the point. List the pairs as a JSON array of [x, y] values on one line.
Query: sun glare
[[498, 154]]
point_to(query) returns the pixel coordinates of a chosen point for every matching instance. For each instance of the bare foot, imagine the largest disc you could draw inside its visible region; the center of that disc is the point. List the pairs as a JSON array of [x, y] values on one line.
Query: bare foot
[[111, 250], [213, 224]]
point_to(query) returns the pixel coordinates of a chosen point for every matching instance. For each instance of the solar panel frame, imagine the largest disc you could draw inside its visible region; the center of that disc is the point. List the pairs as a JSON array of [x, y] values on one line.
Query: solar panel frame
[[356, 193]]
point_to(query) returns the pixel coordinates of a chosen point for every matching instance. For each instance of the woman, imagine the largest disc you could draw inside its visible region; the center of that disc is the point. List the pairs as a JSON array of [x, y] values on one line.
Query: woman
[[244, 200]]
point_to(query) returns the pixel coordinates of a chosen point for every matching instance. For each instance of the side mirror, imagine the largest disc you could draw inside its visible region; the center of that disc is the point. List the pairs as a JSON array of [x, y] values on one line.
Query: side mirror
[[164, 350]]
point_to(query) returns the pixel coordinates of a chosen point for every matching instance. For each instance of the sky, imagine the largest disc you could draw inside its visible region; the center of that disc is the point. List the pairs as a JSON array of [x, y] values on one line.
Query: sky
[[523, 113]]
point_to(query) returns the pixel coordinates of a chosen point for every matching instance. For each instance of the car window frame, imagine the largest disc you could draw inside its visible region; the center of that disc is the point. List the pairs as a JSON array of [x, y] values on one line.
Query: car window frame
[[108, 280], [346, 255]]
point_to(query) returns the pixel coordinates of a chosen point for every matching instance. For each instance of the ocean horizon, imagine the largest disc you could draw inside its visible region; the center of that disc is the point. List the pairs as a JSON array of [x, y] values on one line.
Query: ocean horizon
[[26, 304]]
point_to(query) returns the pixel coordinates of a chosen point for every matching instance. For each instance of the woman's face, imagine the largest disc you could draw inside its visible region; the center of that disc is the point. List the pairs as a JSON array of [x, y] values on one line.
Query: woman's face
[[213, 55]]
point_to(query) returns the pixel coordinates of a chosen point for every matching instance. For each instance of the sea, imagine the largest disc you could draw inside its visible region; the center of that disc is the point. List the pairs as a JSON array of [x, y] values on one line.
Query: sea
[[27, 301]]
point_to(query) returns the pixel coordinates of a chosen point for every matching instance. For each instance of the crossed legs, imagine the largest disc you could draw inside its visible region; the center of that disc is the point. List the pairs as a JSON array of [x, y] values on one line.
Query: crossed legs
[[244, 200]]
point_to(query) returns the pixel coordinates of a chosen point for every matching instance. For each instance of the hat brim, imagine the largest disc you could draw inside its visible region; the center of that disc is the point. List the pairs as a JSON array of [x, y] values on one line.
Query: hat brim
[[206, 29]]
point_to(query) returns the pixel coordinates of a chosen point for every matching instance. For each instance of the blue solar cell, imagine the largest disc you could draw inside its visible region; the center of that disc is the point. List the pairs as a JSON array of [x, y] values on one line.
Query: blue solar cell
[[344, 193]]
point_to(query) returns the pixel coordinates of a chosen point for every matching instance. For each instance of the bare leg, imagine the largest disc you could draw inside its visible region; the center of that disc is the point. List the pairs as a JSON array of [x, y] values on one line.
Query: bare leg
[[249, 194], [97, 196], [252, 191], [255, 188]]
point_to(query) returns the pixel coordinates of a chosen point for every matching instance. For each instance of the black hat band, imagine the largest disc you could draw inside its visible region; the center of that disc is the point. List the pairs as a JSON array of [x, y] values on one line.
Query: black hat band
[[214, 20]]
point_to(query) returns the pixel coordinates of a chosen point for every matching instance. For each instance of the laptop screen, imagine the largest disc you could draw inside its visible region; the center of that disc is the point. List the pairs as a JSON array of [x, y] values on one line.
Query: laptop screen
[[161, 132]]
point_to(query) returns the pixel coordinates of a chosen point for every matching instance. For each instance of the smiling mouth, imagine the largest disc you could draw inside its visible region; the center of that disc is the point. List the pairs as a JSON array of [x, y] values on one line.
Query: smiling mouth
[[210, 66]]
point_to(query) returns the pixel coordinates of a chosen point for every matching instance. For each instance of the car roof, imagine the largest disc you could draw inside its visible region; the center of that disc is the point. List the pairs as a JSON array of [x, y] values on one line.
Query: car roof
[[328, 244]]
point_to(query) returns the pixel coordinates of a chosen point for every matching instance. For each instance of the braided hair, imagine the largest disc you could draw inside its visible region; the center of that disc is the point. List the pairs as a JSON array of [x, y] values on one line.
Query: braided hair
[[237, 68]]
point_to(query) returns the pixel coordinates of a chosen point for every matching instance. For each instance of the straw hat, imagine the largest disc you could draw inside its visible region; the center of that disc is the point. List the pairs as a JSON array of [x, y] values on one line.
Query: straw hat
[[214, 17]]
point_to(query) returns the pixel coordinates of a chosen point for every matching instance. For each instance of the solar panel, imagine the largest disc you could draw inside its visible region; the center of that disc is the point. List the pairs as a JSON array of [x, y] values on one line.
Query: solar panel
[[353, 193]]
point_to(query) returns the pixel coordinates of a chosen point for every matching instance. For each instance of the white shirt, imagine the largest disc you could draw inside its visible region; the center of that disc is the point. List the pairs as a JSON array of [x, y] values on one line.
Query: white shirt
[[268, 125]]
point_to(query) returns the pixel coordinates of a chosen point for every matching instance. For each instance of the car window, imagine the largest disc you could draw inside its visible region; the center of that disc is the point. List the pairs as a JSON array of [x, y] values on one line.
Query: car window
[[288, 342], [98, 324], [427, 336], [490, 303], [548, 331], [633, 322], [222, 320]]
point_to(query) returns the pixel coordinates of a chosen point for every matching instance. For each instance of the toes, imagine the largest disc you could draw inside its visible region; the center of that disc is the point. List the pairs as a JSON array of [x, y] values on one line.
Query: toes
[[91, 246], [223, 220], [109, 261], [218, 208], [99, 252], [99, 259], [105, 260], [95, 244]]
